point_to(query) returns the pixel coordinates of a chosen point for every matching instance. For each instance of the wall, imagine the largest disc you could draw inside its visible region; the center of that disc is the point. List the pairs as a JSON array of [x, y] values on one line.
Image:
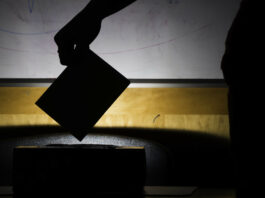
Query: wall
[[172, 39], [197, 109], [184, 131], [151, 39]]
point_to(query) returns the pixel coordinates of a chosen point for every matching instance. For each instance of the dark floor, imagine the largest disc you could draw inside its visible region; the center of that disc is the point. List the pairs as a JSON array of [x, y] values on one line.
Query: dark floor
[[198, 193]]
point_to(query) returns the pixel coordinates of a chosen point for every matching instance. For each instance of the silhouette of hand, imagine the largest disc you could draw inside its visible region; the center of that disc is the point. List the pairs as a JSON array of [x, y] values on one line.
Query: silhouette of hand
[[74, 38]]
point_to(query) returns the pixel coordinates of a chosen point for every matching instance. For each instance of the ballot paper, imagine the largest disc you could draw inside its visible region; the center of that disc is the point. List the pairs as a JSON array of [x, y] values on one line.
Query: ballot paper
[[82, 94]]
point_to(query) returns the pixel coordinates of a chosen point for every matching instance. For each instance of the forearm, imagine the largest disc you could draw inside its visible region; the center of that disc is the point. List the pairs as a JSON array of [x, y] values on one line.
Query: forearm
[[75, 37], [97, 10], [104, 8]]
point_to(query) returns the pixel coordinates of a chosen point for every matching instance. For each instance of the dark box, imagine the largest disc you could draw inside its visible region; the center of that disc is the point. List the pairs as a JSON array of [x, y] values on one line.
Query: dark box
[[78, 171]]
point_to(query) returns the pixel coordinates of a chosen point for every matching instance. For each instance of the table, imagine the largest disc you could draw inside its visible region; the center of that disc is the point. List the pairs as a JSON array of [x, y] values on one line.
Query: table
[[164, 192]]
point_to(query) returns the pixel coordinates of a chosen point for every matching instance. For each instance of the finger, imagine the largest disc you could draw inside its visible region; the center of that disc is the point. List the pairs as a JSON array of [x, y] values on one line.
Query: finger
[[66, 56]]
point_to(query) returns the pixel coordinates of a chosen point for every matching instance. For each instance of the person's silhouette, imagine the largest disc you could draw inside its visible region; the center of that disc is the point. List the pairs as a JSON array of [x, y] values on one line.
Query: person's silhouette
[[241, 65], [242, 69]]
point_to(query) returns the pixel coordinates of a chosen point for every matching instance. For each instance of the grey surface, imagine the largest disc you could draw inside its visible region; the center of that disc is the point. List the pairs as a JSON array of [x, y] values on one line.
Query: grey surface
[[197, 193], [148, 39], [148, 190], [169, 190]]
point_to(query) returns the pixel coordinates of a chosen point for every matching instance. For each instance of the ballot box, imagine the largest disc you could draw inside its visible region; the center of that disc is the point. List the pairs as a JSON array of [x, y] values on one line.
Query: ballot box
[[78, 171]]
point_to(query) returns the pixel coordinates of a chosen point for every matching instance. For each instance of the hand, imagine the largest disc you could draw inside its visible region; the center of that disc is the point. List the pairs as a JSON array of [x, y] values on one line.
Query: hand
[[74, 38]]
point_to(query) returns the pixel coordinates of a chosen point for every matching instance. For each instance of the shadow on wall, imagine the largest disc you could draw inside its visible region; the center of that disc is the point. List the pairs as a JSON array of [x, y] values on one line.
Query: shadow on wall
[[173, 157]]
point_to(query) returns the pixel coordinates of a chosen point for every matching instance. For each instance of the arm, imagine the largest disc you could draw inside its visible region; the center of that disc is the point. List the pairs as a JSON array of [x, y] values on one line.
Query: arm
[[75, 37]]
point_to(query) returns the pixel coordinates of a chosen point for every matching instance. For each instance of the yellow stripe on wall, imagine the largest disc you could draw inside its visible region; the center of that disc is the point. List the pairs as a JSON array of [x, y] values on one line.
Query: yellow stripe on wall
[[198, 109], [21, 100]]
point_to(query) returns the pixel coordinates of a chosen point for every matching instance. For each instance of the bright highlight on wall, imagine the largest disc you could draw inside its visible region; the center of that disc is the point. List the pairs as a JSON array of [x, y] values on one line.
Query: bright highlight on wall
[[148, 39]]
